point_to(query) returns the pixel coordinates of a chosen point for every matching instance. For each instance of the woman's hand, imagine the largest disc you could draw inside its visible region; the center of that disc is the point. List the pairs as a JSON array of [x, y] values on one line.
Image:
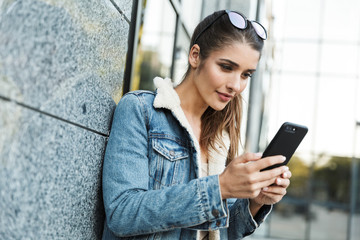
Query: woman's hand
[[271, 194], [275, 192], [242, 178]]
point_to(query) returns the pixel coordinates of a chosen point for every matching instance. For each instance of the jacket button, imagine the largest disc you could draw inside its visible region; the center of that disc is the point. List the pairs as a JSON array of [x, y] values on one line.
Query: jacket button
[[218, 223], [172, 153], [215, 213]]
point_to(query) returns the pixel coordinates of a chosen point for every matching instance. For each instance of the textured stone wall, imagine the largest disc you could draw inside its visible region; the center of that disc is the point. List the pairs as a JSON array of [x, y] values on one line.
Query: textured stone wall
[[61, 71]]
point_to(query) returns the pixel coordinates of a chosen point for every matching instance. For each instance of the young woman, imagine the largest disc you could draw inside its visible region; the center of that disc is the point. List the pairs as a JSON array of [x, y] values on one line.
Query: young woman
[[171, 168]]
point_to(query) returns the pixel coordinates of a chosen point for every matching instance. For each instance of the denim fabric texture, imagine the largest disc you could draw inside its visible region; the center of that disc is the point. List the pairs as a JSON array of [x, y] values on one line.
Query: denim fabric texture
[[151, 183]]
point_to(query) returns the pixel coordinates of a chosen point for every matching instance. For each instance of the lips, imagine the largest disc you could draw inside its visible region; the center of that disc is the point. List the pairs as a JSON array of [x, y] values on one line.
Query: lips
[[224, 96]]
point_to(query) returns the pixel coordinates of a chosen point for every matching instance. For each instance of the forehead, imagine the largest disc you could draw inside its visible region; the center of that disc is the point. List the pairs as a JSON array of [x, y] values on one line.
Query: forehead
[[241, 53]]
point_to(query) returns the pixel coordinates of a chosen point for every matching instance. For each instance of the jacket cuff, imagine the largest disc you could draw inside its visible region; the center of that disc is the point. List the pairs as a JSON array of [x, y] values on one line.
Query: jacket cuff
[[261, 215], [242, 223], [214, 208]]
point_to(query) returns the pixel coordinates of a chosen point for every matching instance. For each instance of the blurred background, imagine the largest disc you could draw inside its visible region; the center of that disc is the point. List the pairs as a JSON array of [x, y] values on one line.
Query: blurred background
[[308, 74]]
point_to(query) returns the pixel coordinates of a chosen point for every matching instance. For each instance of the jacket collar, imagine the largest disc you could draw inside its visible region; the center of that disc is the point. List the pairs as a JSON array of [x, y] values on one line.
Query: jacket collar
[[166, 97]]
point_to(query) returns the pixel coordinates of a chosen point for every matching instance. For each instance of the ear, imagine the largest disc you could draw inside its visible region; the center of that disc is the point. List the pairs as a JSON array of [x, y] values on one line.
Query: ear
[[194, 56]]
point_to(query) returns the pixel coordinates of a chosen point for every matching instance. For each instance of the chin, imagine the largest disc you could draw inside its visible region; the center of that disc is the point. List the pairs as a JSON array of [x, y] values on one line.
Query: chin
[[218, 107]]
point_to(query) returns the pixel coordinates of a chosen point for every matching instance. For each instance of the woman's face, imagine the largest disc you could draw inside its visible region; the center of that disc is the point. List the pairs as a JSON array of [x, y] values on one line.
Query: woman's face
[[225, 74]]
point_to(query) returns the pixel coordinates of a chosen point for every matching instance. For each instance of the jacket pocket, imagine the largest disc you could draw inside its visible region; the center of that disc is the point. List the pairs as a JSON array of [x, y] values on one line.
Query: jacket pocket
[[169, 163]]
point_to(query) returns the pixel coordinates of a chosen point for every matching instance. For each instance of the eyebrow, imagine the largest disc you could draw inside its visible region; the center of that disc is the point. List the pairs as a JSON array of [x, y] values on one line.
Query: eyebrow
[[235, 64]]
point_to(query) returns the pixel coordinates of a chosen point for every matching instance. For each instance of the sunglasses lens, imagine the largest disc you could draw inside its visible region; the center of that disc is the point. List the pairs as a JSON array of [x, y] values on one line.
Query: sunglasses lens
[[237, 20], [260, 30]]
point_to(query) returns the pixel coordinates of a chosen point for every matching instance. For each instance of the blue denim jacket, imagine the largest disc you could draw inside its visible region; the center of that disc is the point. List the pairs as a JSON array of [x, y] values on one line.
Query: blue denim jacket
[[152, 187]]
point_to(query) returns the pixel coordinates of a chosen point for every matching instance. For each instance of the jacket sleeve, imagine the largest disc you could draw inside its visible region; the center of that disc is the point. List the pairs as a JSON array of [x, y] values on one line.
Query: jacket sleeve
[[131, 208], [241, 222]]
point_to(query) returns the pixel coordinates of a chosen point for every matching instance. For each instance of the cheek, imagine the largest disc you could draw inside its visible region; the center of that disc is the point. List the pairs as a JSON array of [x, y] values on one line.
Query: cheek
[[211, 78], [244, 84], [216, 78]]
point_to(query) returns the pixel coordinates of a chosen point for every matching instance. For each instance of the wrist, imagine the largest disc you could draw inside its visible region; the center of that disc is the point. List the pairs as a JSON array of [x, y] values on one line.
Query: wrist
[[223, 190], [254, 207]]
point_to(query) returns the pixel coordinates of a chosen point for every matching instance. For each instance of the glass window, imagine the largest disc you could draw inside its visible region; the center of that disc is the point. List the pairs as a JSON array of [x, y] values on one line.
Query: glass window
[[287, 221], [156, 43], [289, 218], [181, 55], [335, 116], [341, 20], [298, 19], [191, 13], [358, 67], [291, 99], [315, 81], [297, 57], [355, 219], [340, 59], [331, 194]]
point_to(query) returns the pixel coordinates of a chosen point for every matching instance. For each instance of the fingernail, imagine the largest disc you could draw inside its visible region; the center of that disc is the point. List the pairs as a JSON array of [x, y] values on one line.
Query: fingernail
[[265, 188], [285, 175], [259, 154], [283, 158], [278, 181]]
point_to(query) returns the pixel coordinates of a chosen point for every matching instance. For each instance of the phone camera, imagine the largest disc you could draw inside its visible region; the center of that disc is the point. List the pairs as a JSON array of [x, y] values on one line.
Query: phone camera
[[290, 129]]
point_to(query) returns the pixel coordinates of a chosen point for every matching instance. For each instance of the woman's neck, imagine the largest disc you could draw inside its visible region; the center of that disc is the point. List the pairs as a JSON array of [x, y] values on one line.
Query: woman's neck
[[192, 103], [193, 106]]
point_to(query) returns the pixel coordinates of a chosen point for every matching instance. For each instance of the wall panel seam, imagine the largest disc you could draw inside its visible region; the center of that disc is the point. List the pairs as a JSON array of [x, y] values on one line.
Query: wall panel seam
[[53, 116]]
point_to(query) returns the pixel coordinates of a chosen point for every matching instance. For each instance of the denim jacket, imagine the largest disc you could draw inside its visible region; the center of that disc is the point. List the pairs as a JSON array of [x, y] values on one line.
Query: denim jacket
[[152, 187]]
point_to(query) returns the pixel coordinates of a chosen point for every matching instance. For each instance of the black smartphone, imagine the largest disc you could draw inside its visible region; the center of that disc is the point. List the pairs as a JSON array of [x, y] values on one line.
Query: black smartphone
[[285, 142]]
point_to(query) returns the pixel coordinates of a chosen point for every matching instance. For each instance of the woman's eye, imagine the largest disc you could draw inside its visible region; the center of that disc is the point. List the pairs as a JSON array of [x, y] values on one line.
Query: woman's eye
[[226, 67], [247, 75]]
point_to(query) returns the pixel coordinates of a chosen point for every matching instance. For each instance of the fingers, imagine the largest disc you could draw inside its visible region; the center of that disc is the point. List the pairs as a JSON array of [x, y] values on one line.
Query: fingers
[[258, 163], [279, 187], [263, 184], [282, 182], [269, 161], [272, 174], [265, 177], [274, 190], [242, 178], [274, 197], [248, 157], [286, 174], [274, 193]]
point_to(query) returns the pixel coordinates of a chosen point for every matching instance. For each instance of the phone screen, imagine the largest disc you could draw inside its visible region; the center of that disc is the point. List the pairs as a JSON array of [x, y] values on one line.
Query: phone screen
[[285, 142]]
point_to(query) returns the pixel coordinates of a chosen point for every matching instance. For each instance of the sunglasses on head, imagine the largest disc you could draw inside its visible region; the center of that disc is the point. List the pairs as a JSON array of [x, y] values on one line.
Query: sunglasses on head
[[239, 21]]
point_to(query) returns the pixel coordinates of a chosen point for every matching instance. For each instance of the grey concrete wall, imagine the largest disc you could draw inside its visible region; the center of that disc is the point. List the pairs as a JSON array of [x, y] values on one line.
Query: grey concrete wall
[[61, 71]]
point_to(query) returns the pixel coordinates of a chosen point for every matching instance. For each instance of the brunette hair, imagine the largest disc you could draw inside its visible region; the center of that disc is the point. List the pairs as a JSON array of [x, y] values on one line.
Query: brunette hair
[[215, 36]]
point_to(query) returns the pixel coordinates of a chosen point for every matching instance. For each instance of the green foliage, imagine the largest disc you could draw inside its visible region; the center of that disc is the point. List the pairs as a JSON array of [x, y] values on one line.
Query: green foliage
[[150, 68], [332, 180], [299, 180]]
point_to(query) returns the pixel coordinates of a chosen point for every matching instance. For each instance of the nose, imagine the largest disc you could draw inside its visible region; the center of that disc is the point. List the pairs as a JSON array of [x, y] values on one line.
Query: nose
[[236, 85]]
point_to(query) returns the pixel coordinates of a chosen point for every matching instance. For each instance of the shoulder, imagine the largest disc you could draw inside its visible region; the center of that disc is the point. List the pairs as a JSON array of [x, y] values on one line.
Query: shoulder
[[138, 95], [136, 99], [134, 103]]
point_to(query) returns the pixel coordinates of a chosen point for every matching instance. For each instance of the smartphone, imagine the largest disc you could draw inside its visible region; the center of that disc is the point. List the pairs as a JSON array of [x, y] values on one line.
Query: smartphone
[[285, 142]]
